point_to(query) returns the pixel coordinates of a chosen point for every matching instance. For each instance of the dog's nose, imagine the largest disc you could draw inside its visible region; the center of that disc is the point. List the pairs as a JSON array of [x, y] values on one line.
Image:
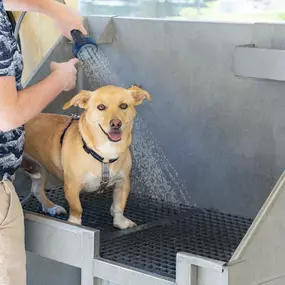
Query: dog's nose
[[115, 124]]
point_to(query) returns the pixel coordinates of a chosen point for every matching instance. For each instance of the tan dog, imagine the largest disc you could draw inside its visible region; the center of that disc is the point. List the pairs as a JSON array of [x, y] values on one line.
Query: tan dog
[[104, 131]]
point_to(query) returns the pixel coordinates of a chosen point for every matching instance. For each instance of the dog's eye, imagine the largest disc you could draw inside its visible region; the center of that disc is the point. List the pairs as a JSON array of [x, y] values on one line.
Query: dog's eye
[[123, 106], [101, 107]]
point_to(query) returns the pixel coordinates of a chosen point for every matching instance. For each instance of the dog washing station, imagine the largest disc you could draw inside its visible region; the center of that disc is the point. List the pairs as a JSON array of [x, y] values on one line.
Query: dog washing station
[[208, 189]]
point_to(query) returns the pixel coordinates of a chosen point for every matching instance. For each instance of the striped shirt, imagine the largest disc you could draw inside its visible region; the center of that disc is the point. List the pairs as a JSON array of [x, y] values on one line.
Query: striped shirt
[[11, 64]]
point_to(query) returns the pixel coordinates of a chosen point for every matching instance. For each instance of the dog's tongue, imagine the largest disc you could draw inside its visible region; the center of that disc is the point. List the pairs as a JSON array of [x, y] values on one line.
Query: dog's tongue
[[115, 136]]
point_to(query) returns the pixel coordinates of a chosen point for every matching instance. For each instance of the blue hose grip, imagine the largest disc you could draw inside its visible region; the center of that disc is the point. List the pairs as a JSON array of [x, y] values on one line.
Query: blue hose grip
[[80, 40]]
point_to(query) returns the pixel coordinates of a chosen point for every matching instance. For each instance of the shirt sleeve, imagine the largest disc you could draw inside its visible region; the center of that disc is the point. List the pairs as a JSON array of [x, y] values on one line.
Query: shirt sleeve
[[6, 56]]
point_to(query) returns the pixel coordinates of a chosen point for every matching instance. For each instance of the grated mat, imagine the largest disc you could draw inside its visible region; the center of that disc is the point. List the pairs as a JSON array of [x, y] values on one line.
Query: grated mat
[[96, 208], [206, 233], [162, 231]]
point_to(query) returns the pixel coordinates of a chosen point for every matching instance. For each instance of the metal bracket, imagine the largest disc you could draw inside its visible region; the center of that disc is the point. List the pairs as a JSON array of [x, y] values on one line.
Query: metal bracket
[[259, 63], [187, 266]]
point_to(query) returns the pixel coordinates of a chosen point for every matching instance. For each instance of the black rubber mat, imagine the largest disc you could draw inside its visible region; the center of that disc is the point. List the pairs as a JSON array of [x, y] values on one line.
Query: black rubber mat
[[96, 209], [162, 231], [205, 233]]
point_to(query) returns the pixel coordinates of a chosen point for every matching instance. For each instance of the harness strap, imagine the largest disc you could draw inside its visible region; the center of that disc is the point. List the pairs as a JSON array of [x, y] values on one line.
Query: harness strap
[[85, 147], [73, 117], [95, 154]]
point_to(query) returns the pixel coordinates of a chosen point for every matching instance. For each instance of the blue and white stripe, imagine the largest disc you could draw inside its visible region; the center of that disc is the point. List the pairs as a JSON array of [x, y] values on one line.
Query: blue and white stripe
[[11, 64]]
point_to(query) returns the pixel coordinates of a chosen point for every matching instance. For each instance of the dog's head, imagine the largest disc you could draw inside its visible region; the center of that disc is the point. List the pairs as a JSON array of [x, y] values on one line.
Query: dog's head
[[110, 110]]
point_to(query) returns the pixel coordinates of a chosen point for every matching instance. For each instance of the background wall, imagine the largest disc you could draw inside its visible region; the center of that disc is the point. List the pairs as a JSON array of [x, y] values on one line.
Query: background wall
[[38, 33]]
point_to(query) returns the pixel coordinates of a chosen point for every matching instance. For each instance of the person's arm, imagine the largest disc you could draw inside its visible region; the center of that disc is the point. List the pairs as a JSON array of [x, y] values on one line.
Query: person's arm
[[16, 108], [43, 6], [66, 18]]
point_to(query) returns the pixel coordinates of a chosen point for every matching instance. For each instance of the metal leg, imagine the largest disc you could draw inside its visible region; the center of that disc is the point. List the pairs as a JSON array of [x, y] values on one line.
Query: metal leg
[[186, 274], [90, 246], [210, 271]]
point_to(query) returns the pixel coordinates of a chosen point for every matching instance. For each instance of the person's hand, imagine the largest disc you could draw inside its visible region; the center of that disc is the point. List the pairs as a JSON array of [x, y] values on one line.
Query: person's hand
[[68, 19], [66, 73]]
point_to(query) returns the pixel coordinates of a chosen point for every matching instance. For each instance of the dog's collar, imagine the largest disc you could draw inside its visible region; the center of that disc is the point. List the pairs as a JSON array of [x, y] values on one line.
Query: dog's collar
[[85, 147], [95, 154]]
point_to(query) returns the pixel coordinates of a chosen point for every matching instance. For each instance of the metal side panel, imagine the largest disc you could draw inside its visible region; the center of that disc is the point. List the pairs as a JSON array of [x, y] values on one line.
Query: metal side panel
[[116, 273], [196, 270], [60, 241], [259, 259], [250, 61]]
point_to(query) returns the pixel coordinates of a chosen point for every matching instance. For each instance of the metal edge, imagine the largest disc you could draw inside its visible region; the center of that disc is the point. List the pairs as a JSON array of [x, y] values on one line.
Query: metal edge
[[90, 249], [263, 212], [174, 20], [192, 259], [40, 218], [122, 274], [187, 268]]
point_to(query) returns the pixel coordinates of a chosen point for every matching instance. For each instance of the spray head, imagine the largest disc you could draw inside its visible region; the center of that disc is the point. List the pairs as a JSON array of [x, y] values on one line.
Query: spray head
[[83, 45]]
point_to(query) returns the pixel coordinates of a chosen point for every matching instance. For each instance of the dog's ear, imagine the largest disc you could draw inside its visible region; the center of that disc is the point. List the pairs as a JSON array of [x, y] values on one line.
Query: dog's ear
[[81, 100], [139, 94]]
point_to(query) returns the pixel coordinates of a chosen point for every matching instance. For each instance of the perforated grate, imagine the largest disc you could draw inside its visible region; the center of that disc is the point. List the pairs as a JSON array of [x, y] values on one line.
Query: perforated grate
[[162, 231], [96, 209], [206, 233]]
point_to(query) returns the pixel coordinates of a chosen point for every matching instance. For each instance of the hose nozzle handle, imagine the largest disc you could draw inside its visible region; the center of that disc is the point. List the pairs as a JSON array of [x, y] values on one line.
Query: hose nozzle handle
[[80, 40], [77, 36]]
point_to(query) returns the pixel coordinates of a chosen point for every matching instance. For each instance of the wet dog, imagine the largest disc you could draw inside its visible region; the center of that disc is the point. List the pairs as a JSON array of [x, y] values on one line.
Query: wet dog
[[89, 153]]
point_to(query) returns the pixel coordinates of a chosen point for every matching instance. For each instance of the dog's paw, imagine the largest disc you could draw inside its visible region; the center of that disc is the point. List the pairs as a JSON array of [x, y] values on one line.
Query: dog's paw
[[122, 222], [74, 220], [55, 210]]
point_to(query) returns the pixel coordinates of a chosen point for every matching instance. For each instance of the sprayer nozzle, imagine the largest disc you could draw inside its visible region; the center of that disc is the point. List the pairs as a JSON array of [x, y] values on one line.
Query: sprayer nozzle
[[80, 41]]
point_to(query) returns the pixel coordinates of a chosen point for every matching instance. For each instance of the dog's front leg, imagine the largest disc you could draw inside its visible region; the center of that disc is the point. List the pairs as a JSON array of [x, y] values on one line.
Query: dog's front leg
[[72, 192], [120, 197]]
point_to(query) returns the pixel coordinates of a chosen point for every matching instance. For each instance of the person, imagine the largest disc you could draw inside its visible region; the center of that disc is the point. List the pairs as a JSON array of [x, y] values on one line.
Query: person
[[17, 106]]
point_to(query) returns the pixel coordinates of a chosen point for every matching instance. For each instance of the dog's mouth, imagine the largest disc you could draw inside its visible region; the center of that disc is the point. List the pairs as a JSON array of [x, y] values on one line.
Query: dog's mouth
[[113, 135]]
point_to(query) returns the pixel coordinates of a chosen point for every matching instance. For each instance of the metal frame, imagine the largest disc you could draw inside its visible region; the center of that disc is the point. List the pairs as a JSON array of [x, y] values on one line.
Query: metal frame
[[196, 270], [78, 246], [66, 243], [120, 274]]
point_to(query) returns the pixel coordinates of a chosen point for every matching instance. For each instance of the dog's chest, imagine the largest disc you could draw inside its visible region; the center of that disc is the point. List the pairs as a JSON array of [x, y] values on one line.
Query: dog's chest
[[108, 149], [93, 182]]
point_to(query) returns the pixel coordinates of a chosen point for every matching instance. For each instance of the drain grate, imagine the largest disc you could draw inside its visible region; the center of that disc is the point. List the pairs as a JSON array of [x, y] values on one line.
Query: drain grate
[[206, 233], [162, 231], [96, 209]]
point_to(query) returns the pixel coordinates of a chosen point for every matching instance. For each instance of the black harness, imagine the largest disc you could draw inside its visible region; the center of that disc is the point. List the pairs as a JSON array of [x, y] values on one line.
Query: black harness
[[105, 165], [73, 117]]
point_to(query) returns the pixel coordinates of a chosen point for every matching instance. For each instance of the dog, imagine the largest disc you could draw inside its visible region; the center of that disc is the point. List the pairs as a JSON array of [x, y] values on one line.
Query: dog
[[88, 153]]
